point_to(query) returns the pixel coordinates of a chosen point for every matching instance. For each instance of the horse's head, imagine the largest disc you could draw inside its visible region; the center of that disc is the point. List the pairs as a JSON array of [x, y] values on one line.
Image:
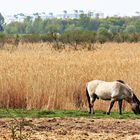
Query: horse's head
[[136, 108], [136, 105]]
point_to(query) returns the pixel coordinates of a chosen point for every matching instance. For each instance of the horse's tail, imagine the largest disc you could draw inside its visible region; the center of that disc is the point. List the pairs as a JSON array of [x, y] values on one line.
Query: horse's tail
[[88, 97]]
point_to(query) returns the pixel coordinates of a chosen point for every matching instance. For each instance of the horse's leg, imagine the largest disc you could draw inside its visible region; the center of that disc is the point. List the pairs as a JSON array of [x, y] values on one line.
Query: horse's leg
[[120, 106], [90, 106], [111, 105]]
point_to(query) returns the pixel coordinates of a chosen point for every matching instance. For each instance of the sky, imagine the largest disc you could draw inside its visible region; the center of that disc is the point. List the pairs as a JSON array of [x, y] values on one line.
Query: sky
[[109, 7]]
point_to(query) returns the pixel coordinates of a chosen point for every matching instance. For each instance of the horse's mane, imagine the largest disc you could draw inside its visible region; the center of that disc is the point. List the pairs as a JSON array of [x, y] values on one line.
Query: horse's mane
[[121, 81], [136, 99]]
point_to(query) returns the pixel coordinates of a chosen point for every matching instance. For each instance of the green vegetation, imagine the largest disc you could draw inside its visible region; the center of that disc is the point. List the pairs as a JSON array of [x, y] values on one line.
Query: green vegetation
[[74, 31], [14, 113], [1, 22], [85, 22]]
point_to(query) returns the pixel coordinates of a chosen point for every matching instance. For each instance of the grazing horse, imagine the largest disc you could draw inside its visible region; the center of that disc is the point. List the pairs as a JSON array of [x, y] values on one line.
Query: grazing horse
[[115, 91]]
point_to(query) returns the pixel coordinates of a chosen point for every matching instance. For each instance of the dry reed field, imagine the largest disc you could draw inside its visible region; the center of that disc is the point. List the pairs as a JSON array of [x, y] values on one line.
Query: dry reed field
[[36, 76]]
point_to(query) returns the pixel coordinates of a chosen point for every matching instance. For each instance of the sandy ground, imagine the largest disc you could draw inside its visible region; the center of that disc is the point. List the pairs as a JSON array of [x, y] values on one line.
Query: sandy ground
[[75, 129]]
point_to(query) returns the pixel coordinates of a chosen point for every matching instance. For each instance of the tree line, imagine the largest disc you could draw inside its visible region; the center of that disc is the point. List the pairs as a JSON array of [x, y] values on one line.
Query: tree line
[[84, 29]]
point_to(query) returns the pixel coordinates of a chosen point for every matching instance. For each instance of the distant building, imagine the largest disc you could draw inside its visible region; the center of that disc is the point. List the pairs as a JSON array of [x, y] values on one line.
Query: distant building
[[65, 15], [50, 15], [81, 12], [76, 14]]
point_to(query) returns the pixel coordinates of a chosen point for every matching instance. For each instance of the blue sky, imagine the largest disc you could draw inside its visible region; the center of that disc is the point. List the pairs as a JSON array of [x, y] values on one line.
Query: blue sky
[[109, 7]]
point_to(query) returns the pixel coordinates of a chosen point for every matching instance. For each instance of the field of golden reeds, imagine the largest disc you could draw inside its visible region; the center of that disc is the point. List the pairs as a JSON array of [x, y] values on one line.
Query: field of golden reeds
[[36, 76]]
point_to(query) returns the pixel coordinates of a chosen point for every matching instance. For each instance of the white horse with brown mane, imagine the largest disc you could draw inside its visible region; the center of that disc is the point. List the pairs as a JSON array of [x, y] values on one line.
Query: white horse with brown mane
[[114, 91]]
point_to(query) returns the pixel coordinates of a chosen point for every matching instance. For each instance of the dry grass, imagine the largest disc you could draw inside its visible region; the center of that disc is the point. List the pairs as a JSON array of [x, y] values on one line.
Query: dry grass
[[34, 76]]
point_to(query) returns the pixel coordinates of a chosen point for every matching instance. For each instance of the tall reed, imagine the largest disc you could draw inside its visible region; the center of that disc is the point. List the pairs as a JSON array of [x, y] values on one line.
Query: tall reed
[[36, 76]]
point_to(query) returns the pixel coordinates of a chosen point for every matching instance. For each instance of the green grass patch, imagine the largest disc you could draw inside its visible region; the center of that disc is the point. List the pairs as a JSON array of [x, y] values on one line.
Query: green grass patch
[[10, 113]]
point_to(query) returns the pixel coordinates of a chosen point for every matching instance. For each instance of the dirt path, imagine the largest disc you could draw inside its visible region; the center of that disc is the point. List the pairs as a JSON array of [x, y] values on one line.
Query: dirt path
[[77, 129]]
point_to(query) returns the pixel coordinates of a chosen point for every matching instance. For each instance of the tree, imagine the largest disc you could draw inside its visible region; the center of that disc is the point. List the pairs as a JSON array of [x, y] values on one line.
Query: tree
[[130, 29], [94, 24], [114, 29], [84, 21], [137, 25], [2, 40], [103, 35], [28, 24], [12, 28], [1, 23], [15, 28], [38, 25]]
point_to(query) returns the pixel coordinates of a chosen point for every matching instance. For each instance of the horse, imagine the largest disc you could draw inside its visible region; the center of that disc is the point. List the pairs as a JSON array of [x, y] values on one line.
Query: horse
[[115, 91]]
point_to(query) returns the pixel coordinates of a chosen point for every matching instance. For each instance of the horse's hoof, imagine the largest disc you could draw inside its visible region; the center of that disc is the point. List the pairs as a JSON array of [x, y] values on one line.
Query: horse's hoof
[[108, 113]]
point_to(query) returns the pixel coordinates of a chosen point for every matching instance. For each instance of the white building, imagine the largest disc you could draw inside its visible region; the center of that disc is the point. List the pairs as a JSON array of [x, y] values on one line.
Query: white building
[[64, 15]]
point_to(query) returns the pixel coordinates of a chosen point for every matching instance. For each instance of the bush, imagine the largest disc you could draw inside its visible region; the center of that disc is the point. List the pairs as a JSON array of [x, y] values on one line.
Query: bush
[[2, 40]]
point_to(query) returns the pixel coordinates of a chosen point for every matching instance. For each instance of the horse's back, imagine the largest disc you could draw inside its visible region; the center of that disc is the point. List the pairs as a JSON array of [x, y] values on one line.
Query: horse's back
[[91, 85], [106, 90], [115, 90]]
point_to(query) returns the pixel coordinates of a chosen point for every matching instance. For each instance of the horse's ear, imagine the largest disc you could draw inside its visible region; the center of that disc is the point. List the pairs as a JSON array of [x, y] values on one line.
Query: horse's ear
[[121, 81]]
